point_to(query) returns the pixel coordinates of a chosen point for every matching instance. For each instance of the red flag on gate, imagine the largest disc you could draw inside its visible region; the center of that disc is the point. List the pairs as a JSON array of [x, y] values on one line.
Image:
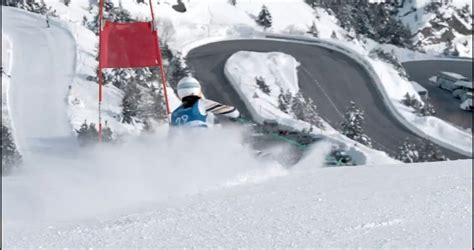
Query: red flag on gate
[[129, 45]]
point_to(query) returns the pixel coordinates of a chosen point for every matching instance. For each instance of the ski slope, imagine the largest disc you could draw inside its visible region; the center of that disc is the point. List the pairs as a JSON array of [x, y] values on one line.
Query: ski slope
[[418, 205], [43, 66]]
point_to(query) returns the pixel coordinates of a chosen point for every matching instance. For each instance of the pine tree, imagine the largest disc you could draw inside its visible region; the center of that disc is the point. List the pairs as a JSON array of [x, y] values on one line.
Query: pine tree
[[425, 110], [233, 2], [312, 3], [11, 158], [298, 106], [107, 134], [408, 152], [262, 85], [85, 21], [166, 52], [311, 114], [93, 133], [420, 109], [119, 15], [450, 49], [159, 105], [178, 70], [352, 125], [333, 35], [67, 2], [313, 30], [264, 19], [409, 100], [432, 153], [87, 134], [390, 58], [376, 21], [130, 103], [38, 7], [284, 100], [419, 150], [82, 135], [305, 110]]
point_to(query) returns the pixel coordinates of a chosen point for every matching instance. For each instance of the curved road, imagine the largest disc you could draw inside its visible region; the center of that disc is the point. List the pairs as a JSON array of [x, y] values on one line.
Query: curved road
[[330, 78], [447, 107]]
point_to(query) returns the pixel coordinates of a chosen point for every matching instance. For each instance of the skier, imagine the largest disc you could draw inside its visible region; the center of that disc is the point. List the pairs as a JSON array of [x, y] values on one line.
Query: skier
[[194, 110], [47, 21]]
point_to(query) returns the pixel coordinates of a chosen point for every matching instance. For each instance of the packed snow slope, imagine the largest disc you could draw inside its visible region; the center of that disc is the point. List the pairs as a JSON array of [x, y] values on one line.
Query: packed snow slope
[[416, 205], [332, 80], [40, 74]]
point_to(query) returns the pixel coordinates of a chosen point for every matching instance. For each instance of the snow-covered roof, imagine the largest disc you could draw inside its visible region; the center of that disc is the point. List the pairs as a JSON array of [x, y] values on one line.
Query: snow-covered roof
[[467, 84], [418, 87], [452, 75]]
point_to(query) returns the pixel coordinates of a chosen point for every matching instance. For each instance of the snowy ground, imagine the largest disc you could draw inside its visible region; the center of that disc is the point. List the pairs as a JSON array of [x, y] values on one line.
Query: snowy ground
[[39, 80], [418, 205]]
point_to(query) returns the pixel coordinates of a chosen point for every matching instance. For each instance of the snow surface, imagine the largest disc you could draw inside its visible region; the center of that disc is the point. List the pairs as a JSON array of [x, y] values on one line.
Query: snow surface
[[43, 64], [279, 70], [243, 205]]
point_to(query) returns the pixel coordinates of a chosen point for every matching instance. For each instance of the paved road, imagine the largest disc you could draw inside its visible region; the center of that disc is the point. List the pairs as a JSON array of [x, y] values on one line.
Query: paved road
[[331, 79], [447, 107]]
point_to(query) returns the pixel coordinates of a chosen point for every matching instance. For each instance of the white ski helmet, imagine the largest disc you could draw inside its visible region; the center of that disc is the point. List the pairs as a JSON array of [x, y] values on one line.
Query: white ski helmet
[[188, 86]]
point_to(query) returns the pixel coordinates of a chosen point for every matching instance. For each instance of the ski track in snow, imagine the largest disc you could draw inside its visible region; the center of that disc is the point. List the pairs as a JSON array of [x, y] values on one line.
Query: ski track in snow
[[43, 67]]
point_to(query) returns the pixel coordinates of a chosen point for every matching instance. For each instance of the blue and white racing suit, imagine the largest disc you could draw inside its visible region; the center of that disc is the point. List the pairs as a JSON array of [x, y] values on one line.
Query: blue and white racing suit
[[197, 115]]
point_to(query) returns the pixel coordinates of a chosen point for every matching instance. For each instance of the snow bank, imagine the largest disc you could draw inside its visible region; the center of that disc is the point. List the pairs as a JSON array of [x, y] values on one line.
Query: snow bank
[[402, 206], [277, 69]]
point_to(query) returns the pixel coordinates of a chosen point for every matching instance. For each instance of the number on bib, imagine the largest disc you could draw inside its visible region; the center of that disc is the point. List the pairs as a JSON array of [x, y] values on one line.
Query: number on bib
[[182, 119]]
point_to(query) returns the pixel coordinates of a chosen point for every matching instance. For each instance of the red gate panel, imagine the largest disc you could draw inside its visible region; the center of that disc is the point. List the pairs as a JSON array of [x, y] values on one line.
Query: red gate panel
[[129, 45]]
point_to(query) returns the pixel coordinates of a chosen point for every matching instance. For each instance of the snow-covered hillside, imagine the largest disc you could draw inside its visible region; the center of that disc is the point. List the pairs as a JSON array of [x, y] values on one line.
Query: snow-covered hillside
[[440, 26]]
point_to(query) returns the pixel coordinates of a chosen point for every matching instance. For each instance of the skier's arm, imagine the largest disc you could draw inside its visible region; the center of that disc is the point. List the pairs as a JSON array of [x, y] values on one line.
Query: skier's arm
[[221, 109]]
